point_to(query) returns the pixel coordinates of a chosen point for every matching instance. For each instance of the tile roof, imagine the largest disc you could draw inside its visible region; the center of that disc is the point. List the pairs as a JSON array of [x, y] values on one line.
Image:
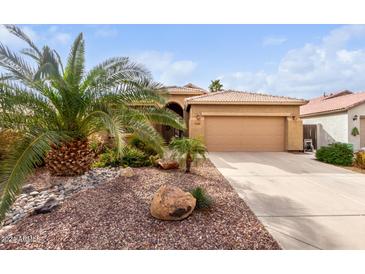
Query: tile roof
[[188, 88], [242, 97], [333, 102]]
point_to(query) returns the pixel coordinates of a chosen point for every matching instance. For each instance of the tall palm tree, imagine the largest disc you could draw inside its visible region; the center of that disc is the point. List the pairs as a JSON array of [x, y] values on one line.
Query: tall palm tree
[[188, 151], [215, 85], [56, 108]]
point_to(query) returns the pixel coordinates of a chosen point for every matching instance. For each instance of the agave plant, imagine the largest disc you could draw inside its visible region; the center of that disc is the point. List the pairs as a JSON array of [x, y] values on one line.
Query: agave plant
[[55, 108], [187, 151]]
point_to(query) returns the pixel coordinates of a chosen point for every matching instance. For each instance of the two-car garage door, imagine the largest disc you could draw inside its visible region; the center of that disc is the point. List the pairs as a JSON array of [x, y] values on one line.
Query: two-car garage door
[[244, 133]]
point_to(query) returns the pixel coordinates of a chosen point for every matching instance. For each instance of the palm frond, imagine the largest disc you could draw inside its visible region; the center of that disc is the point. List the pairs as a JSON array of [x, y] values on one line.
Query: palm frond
[[20, 163], [15, 64], [21, 34], [76, 62], [164, 116], [142, 128], [102, 119]]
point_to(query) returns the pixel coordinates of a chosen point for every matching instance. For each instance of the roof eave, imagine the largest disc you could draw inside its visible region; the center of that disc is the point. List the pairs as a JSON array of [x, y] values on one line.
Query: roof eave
[[333, 110], [300, 103], [323, 112], [185, 92]]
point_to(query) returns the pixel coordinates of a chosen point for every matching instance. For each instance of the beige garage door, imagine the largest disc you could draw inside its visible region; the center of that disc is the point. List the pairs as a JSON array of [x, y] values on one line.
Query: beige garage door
[[244, 133]]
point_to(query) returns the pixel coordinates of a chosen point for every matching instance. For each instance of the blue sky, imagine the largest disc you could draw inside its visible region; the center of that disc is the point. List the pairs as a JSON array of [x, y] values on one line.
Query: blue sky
[[294, 60]]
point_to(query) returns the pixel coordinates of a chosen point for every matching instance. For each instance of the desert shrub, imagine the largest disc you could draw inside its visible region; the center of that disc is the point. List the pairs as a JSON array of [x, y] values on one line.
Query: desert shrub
[[142, 146], [337, 154], [360, 159], [131, 157], [203, 200], [108, 158], [135, 158]]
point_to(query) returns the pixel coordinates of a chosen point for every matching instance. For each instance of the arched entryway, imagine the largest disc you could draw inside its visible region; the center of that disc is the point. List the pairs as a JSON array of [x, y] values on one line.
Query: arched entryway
[[169, 132]]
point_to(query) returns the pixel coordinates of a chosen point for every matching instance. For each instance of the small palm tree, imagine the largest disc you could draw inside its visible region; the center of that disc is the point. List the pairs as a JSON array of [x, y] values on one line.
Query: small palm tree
[[55, 109], [215, 85], [188, 151]]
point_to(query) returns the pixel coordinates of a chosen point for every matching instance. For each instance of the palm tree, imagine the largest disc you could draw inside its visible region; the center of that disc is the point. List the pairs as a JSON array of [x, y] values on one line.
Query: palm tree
[[188, 151], [55, 108], [215, 85]]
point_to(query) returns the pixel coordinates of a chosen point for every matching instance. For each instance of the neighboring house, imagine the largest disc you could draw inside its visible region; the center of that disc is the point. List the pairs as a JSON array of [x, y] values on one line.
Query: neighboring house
[[336, 115], [245, 121]]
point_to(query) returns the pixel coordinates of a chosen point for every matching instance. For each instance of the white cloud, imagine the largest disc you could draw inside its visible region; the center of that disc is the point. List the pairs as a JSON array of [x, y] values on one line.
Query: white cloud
[[56, 36], [63, 38], [312, 69], [273, 41], [165, 68], [106, 32]]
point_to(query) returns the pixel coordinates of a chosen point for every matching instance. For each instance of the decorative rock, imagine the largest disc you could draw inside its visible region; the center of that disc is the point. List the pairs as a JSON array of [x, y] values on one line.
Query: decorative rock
[[28, 189], [172, 204], [170, 164], [58, 190], [48, 206], [127, 172]]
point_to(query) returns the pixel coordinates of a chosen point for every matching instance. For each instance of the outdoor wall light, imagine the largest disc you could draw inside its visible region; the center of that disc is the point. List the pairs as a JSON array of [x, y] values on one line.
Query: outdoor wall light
[[355, 117]]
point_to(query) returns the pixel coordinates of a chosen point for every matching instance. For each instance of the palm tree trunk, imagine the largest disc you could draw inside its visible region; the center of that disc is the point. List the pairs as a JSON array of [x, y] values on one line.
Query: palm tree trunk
[[188, 163]]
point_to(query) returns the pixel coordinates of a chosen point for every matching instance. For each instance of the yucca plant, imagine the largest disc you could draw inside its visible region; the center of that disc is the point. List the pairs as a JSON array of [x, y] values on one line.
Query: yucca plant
[[55, 108], [187, 151]]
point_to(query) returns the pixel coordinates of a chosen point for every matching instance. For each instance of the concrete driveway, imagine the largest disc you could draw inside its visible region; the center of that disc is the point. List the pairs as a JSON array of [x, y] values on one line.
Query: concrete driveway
[[305, 204]]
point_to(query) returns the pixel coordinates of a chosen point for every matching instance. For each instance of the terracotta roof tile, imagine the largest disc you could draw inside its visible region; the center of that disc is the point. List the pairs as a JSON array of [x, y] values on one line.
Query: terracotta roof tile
[[188, 88], [334, 102], [232, 96]]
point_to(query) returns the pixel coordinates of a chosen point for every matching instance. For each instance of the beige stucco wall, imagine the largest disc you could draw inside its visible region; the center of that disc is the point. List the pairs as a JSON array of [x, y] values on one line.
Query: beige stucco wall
[[293, 127], [331, 128], [360, 112], [174, 98]]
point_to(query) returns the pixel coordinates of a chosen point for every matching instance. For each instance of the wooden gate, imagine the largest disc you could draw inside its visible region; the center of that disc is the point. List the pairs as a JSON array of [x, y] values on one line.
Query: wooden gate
[[310, 132]]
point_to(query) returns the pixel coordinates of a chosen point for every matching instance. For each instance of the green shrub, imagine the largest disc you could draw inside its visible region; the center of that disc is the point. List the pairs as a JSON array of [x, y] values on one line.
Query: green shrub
[[203, 200], [131, 157], [140, 145], [135, 158], [108, 158], [337, 154]]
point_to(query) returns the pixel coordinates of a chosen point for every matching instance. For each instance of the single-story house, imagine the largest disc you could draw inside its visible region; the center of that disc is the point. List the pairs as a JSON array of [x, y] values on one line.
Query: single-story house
[[240, 121], [339, 117]]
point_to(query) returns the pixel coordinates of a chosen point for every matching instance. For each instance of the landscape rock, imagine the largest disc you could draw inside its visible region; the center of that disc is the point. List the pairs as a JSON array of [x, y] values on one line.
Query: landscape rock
[[170, 203], [56, 191], [28, 189], [167, 164], [127, 172], [48, 206]]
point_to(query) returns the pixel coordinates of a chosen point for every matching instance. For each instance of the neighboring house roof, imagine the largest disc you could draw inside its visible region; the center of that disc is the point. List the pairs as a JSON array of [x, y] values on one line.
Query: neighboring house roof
[[187, 89], [242, 97], [334, 102]]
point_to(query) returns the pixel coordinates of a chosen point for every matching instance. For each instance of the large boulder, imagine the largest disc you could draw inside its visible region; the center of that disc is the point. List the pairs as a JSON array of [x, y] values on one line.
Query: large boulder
[[170, 203]]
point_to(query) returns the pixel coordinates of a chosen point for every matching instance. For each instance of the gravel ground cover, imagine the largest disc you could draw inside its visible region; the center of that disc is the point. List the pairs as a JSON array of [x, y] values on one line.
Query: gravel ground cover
[[115, 215]]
